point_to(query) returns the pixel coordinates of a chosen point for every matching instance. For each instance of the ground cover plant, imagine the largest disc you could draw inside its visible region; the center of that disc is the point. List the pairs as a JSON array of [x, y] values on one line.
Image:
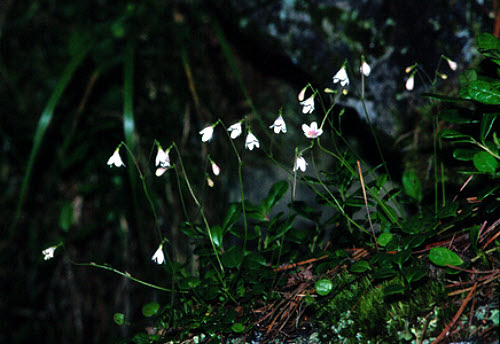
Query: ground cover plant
[[212, 208], [372, 262]]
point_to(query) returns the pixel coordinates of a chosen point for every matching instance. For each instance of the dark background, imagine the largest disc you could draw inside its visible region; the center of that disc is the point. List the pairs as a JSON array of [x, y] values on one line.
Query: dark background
[[183, 79]]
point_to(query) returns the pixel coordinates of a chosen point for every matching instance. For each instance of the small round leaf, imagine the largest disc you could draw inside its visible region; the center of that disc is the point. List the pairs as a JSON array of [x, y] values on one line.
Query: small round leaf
[[119, 318], [323, 286], [442, 256], [150, 309]]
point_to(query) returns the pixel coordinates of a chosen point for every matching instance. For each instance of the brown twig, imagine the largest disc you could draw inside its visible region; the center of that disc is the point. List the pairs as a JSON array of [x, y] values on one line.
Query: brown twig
[[366, 203], [447, 329]]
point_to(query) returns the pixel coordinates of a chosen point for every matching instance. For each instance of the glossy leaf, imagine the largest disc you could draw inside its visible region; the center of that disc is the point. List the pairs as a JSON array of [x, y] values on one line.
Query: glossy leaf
[[232, 258], [384, 238], [451, 134], [487, 124], [275, 194], [323, 286], [488, 45], [412, 185], [464, 154], [414, 273], [150, 309], [360, 266], [442, 256], [232, 215], [412, 241], [119, 318], [384, 273], [482, 91], [238, 327], [484, 162]]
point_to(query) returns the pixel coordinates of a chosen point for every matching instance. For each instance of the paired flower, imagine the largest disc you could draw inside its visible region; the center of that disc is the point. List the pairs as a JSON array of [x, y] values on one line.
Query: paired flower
[[300, 164], [312, 131], [48, 253], [159, 257], [308, 105], [235, 130], [207, 133], [341, 77], [279, 125], [251, 141], [162, 158], [115, 159]]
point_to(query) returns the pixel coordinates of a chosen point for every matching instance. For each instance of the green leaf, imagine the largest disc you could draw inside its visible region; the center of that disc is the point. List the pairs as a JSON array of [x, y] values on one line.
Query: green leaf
[[459, 116], [232, 215], [232, 258], [442, 256], [384, 273], [360, 266], [323, 286], [414, 273], [474, 236], [482, 91], [394, 288], [141, 338], [412, 185], [119, 318], [238, 327], [451, 134], [487, 124], [441, 98], [464, 154], [150, 309], [449, 210], [488, 45], [66, 216], [306, 211], [484, 162], [217, 235], [401, 257], [275, 194], [412, 241], [384, 239]]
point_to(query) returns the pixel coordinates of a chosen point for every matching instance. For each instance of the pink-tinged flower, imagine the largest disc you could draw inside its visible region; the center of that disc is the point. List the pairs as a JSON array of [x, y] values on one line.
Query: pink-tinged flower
[[279, 125], [341, 77], [300, 164], [207, 133], [160, 171], [210, 182], [251, 142], [215, 168], [308, 105], [159, 257], [410, 83], [115, 159], [162, 158], [235, 130], [48, 253], [312, 131], [452, 64], [365, 69]]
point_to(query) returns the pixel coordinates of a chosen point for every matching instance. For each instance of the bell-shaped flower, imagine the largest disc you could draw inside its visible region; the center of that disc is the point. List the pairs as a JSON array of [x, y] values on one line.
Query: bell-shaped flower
[[300, 164], [115, 159], [308, 105], [341, 77], [215, 168], [235, 130], [162, 158], [279, 125], [159, 257], [160, 170], [251, 142], [365, 69], [48, 253], [312, 131], [452, 64], [302, 94], [207, 133], [210, 182], [410, 82]]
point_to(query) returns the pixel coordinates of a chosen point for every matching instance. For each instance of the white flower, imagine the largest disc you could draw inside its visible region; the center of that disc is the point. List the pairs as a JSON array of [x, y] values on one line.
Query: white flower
[[115, 159], [251, 142], [207, 133], [160, 171], [279, 125], [308, 105], [312, 131], [301, 94], [48, 253], [453, 65], [158, 257], [410, 83], [365, 69], [215, 169], [341, 77], [210, 182], [300, 164], [162, 158], [235, 130]]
